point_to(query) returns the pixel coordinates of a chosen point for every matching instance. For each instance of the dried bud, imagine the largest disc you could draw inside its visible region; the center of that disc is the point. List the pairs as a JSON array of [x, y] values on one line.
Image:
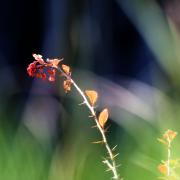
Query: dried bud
[[163, 169], [169, 135]]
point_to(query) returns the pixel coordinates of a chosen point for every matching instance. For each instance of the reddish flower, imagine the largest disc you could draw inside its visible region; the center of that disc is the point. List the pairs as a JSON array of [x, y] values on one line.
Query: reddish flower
[[32, 69], [43, 76], [38, 75], [51, 78], [51, 71], [52, 74], [37, 67], [40, 69]]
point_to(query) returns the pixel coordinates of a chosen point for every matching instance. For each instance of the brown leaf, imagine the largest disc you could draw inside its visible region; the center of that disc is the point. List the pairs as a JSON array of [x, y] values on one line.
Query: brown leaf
[[163, 169], [54, 62], [169, 135], [103, 117], [92, 95], [66, 69], [67, 85]]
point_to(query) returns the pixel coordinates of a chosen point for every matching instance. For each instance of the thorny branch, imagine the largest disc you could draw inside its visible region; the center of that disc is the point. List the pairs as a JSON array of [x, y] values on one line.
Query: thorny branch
[[111, 165], [36, 69]]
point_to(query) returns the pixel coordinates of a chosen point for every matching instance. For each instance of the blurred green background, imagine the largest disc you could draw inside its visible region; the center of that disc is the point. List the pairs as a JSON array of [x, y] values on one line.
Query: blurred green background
[[128, 51]]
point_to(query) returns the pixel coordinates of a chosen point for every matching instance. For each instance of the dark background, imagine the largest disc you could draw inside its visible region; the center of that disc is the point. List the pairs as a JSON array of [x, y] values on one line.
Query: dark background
[[94, 35], [124, 49]]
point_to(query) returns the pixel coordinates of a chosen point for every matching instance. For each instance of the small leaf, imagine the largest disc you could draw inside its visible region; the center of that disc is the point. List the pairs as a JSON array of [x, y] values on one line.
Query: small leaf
[[54, 62], [169, 135], [103, 117], [163, 169], [38, 58], [67, 85], [92, 95], [66, 69]]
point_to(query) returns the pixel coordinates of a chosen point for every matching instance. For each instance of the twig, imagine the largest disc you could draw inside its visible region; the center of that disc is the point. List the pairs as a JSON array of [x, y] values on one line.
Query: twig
[[35, 69], [111, 164]]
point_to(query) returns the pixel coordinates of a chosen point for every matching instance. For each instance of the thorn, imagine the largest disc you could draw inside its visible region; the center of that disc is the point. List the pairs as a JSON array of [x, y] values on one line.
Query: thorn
[[108, 157], [82, 103], [95, 126], [90, 116], [106, 130], [114, 148], [115, 155], [108, 170], [98, 142], [108, 164], [118, 165], [105, 161]]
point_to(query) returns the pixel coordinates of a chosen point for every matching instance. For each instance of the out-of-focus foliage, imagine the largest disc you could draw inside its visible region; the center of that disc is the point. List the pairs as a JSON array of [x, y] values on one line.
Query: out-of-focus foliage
[[45, 135]]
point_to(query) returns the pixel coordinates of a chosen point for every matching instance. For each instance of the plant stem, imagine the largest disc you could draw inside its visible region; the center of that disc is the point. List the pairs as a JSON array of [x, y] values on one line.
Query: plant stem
[[111, 164], [168, 158]]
